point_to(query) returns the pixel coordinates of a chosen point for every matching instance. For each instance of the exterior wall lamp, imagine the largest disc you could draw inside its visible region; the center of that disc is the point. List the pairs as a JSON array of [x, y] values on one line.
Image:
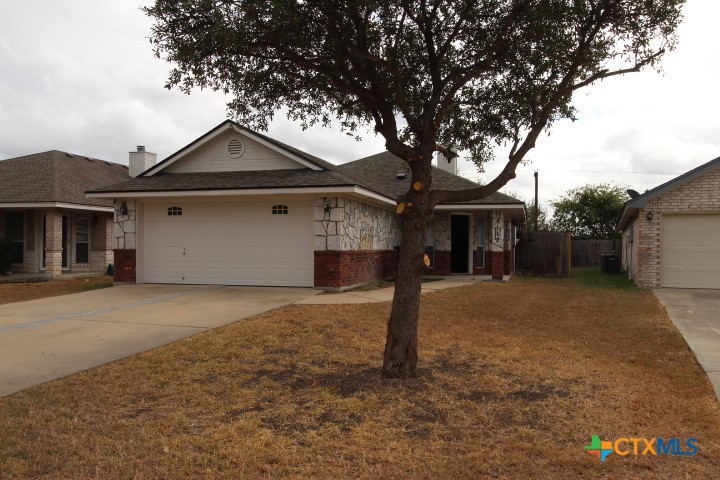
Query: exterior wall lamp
[[649, 216], [123, 208]]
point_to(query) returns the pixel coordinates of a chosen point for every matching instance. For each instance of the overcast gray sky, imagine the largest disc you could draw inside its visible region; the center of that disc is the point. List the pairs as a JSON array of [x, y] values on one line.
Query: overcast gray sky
[[80, 76]]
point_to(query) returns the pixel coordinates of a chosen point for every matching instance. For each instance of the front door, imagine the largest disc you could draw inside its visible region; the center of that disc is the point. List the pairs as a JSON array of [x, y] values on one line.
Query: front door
[[459, 243], [65, 242]]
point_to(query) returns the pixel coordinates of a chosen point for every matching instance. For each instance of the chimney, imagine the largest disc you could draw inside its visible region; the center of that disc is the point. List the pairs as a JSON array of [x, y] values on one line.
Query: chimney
[[444, 164], [141, 161]]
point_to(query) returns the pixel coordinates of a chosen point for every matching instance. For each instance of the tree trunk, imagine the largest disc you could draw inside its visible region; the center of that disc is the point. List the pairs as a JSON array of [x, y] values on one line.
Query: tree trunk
[[401, 345]]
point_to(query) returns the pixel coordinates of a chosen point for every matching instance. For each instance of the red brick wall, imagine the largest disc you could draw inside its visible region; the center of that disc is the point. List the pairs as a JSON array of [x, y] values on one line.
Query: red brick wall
[[124, 265], [442, 264], [497, 265], [336, 269]]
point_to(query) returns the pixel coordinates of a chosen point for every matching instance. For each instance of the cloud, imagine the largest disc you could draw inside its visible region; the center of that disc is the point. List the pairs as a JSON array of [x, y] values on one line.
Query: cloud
[[80, 76]]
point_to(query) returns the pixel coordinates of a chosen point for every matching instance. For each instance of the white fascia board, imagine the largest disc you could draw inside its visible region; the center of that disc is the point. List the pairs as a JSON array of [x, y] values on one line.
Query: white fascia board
[[73, 206], [249, 191], [478, 206]]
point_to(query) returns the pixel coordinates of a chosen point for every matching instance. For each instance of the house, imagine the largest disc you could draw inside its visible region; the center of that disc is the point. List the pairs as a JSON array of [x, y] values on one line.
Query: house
[[45, 213], [237, 207], [671, 234]]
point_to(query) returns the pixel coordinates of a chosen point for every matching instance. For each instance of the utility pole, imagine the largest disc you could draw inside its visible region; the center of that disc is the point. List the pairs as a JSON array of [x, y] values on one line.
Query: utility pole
[[535, 220]]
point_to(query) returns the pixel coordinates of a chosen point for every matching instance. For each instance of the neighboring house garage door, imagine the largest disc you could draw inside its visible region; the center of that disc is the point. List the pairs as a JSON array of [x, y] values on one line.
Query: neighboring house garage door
[[267, 243], [691, 251]]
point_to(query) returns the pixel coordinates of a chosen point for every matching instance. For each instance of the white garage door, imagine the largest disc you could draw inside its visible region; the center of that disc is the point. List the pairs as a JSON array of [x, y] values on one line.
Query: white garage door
[[691, 251], [229, 244]]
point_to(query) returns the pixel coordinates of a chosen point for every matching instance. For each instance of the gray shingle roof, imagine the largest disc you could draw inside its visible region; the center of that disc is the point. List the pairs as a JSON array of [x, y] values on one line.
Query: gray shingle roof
[[381, 171], [56, 176], [161, 182], [377, 173]]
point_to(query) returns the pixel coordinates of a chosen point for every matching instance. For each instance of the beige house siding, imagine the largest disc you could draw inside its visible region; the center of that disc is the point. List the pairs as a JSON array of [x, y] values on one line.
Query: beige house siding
[[214, 157], [700, 195]]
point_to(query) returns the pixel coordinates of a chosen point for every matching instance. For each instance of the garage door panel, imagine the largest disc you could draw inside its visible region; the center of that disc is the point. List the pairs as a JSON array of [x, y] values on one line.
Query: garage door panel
[[235, 244], [690, 251]]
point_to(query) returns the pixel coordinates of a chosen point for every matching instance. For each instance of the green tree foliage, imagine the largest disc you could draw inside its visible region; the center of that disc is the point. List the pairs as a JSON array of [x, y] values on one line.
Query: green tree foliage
[[423, 74], [591, 211]]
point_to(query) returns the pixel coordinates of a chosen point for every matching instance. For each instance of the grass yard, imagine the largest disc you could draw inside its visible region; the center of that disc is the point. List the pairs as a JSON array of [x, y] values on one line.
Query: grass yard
[[21, 292], [514, 380]]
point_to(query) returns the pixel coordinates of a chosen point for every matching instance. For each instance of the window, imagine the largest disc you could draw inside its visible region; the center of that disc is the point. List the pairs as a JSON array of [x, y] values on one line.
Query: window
[[15, 232], [174, 211], [479, 257], [82, 240], [280, 210]]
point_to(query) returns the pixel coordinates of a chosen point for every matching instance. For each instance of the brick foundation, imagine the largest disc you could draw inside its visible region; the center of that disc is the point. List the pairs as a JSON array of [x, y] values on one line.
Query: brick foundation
[[124, 265], [442, 263], [497, 260], [338, 269]]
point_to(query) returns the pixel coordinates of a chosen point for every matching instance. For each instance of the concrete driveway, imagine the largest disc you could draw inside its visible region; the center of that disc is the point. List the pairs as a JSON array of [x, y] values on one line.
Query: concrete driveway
[[41, 340], [696, 314]]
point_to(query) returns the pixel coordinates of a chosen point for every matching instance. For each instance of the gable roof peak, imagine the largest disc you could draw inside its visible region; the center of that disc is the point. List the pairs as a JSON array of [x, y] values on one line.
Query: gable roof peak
[[304, 158]]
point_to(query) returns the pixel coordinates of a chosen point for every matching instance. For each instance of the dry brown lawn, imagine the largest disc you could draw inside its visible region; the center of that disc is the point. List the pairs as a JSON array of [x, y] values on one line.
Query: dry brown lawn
[[21, 292], [514, 380]]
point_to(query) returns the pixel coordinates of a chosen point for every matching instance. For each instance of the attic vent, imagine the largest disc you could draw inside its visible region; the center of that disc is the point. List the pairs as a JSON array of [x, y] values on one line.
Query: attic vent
[[236, 148], [401, 176]]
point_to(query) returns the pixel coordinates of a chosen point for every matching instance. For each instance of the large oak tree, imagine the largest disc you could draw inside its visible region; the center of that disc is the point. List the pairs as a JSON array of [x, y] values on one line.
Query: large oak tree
[[424, 74]]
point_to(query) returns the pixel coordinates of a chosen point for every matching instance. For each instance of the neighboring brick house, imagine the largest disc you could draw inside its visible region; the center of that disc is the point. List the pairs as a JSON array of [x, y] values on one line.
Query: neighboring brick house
[[44, 211], [237, 207], [671, 234]]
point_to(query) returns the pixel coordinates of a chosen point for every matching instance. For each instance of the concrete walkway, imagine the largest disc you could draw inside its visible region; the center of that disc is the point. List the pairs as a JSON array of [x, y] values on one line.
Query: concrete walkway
[[386, 294], [44, 339], [696, 314]]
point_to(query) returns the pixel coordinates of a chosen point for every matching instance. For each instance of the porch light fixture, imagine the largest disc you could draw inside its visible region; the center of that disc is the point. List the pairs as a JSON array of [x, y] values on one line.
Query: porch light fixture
[[123, 209], [649, 216], [326, 206]]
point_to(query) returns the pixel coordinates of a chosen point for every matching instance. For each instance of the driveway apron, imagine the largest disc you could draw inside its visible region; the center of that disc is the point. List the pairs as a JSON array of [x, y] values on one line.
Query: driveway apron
[[41, 340], [696, 314]]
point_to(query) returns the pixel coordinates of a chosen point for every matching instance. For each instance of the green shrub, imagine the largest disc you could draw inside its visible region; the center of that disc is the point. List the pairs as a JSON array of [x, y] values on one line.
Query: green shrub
[[6, 254]]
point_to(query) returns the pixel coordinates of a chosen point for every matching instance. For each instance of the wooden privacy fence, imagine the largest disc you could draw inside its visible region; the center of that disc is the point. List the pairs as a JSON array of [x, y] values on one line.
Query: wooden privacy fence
[[586, 253], [548, 254]]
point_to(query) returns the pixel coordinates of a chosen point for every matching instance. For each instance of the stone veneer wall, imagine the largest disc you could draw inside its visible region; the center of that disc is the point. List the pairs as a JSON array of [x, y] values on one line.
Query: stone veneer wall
[[354, 242], [699, 195], [124, 243], [349, 225]]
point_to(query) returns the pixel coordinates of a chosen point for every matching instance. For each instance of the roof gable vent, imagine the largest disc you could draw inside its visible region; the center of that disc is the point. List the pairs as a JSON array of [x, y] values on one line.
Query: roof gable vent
[[401, 176], [236, 148]]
